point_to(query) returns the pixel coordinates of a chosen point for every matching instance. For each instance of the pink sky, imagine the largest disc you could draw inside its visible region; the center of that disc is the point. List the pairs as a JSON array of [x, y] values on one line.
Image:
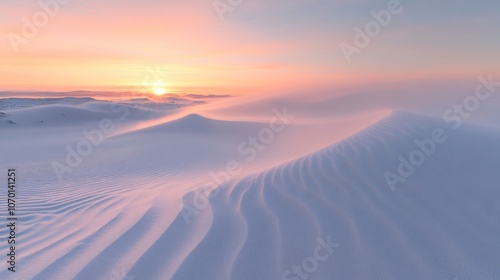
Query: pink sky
[[260, 46]]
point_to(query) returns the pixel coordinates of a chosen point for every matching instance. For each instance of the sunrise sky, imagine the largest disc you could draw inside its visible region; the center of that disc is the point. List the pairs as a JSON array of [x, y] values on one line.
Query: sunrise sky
[[259, 46]]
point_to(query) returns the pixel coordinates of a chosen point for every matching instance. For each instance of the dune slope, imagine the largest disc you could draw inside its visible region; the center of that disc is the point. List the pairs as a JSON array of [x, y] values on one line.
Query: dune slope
[[438, 224]]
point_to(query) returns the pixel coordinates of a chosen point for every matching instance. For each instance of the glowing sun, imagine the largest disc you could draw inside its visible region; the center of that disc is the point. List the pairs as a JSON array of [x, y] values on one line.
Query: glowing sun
[[159, 91]]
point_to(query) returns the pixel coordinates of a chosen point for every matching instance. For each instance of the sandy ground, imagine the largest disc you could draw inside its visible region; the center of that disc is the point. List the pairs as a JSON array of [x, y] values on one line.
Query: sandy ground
[[251, 188]]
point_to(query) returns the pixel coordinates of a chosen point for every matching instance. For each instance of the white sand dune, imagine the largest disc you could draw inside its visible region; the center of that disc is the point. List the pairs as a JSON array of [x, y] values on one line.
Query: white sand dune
[[17, 103], [117, 215], [70, 115], [438, 225]]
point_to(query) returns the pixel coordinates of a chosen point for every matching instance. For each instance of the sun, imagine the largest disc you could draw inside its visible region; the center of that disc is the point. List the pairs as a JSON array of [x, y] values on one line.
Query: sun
[[159, 91]]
